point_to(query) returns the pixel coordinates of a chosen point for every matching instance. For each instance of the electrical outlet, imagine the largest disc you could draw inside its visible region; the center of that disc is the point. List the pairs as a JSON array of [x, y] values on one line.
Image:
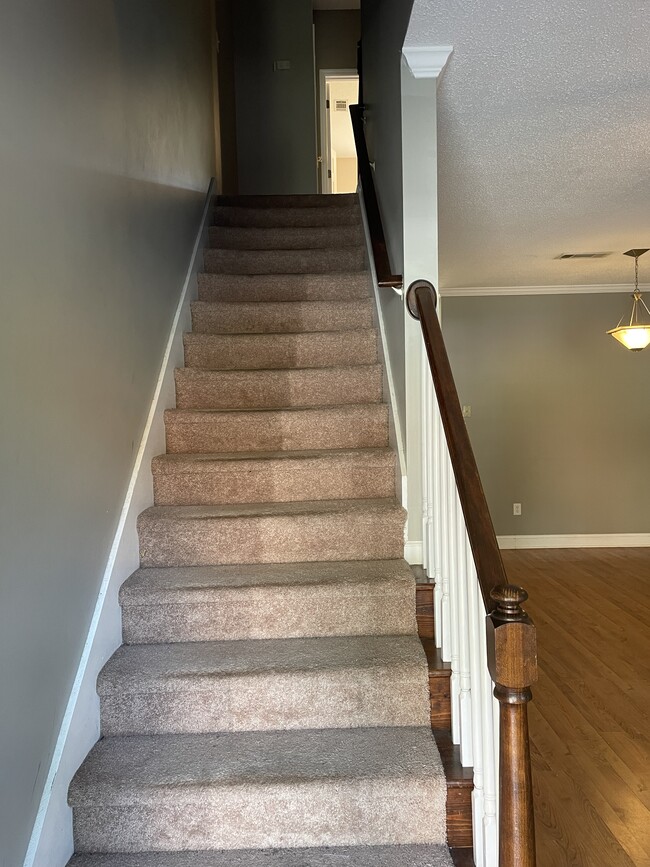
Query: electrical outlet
[[516, 508], [467, 411]]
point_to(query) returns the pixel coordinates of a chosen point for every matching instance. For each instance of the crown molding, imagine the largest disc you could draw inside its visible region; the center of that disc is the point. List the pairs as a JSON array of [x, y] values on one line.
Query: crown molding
[[427, 61], [596, 289]]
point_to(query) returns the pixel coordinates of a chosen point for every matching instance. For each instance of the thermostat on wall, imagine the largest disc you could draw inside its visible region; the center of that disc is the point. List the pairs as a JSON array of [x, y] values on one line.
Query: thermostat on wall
[[279, 65]]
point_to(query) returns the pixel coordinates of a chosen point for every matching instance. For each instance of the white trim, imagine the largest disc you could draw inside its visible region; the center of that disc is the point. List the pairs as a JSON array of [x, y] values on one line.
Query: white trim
[[413, 553], [388, 372], [596, 540], [595, 289], [427, 61], [51, 843]]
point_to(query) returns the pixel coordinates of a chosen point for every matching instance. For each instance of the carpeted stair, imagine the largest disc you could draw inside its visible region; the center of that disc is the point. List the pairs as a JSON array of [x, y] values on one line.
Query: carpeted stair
[[270, 707]]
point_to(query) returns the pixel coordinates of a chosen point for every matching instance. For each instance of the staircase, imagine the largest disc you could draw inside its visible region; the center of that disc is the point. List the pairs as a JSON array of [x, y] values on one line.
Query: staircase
[[270, 705]]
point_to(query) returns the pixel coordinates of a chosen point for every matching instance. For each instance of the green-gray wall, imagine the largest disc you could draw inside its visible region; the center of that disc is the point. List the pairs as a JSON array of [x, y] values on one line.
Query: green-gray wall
[[106, 150], [336, 34], [560, 412], [275, 110], [383, 28]]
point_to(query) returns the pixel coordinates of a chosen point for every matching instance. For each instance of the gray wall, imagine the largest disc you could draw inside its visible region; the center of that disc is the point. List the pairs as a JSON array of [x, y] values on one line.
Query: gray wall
[[106, 150], [276, 111], [383, 28], [336, 34], [560, 412]]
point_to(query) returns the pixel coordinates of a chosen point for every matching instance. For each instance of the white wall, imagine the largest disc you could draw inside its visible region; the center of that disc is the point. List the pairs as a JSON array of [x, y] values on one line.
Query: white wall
[[276, 110], [106, 150]]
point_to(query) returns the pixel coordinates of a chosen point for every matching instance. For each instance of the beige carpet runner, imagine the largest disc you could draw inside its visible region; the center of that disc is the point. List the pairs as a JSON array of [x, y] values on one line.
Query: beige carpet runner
[[269, 707]]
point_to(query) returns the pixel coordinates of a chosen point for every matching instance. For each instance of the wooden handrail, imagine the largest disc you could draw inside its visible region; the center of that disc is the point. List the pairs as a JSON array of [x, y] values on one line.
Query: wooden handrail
[[511, 641], [385, 276]]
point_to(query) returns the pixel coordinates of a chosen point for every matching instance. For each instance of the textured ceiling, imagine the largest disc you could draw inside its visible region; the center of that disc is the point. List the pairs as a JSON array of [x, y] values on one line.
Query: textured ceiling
[[543, 136]]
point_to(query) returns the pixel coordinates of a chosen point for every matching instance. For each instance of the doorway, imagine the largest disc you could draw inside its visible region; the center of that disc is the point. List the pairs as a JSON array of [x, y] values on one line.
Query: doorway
[[339, 89]]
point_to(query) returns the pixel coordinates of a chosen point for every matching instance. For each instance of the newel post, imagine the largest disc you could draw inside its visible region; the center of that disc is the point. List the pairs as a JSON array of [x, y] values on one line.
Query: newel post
[[512, 659]]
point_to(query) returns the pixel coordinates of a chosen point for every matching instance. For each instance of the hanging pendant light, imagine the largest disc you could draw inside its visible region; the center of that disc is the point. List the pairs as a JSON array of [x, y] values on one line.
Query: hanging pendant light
[[635, 335]]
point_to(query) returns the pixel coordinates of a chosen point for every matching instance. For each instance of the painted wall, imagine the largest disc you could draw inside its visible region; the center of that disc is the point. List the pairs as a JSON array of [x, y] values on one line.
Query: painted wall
[[336, 34], [275, 110], [560, 416], [106, 150]]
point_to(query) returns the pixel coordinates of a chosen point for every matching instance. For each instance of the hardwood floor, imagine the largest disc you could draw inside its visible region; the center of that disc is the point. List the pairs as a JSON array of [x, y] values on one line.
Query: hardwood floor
[[589, 719]]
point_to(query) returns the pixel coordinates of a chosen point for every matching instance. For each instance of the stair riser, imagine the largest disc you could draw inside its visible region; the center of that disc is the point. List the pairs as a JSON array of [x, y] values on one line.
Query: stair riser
[[282, 287], [271, 539], [345, 428], [196, 389], [257, 352], [291, 217], [317, 238], [280, 612], [352, 812], [297, 200], [269, 703], [284, 261], [281, 318], [269, 481]]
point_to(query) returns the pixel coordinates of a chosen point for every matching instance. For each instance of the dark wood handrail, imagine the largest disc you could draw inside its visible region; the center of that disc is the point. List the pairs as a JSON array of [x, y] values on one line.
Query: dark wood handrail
[[421, 304], [511, 640], [385, 276]]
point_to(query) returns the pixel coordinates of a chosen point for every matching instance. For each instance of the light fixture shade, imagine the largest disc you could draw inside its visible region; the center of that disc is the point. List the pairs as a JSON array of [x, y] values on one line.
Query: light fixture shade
[[634, 337], [636, 334]]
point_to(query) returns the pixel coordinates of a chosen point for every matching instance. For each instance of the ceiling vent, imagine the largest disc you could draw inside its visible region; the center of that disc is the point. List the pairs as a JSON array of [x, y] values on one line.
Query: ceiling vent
[[582, 255], [340, 105]]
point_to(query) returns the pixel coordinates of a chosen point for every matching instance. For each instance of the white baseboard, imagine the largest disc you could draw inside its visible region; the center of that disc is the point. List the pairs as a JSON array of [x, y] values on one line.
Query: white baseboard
[[413, 553], [51, 842], [602, 540]]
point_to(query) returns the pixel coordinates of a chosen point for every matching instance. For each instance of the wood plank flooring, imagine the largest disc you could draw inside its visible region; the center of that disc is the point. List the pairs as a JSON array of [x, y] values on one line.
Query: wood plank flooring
[[589, 719]]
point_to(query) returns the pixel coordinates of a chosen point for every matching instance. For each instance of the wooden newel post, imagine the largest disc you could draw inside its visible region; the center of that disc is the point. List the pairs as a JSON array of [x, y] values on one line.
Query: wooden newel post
[[512, 659]]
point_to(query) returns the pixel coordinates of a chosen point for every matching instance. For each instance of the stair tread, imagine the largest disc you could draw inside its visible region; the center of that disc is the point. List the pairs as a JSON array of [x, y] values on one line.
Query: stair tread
[[136, 768], [191, 462], [197, 583], [334, 407], [165, 667], [353, 304], [263, 510], [211, 336], [415, 855]]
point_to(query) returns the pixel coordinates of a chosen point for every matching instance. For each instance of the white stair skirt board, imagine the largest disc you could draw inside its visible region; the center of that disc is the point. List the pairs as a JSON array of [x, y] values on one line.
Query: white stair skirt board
[[413, 553], [51, 843], [596, 540], [412, 550]]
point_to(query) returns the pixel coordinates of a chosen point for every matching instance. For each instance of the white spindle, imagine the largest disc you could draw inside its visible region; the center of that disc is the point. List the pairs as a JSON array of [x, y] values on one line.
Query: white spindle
[[437, 520], [454, 592], [476, 619], [490, 768], [464, 679]]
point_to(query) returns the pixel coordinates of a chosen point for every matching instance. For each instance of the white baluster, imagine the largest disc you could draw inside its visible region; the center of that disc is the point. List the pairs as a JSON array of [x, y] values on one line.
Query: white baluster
[[445, 556], [454, 592], [437, 524], [426, 461], [477, 663], [490, 768], [465, 682]]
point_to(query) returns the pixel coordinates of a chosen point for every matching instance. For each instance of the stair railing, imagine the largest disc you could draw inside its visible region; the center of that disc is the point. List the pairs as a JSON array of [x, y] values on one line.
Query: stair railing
[[481, 626]]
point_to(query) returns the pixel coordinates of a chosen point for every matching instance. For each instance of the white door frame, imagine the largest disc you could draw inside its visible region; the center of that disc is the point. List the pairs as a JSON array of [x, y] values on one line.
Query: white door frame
[[326, 184]]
